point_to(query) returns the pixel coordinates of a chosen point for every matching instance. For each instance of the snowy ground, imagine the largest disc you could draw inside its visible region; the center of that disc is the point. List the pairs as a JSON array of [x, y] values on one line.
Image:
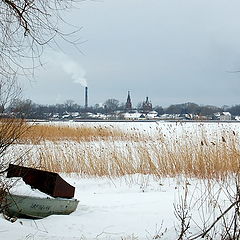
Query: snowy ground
[[123, 208], [131, 207]]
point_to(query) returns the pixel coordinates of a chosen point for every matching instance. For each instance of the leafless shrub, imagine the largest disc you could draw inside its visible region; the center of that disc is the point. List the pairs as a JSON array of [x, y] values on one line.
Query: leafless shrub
[[158, 234], [10, 131], [3, 190], [222, 220], [182, 213]]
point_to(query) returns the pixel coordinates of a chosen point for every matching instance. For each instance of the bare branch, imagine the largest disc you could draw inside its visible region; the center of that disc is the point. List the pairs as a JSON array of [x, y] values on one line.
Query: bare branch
[[26, 26]]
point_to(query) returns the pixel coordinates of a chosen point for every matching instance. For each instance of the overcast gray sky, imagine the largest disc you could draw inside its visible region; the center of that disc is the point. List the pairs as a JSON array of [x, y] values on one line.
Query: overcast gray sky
[[173, 51]]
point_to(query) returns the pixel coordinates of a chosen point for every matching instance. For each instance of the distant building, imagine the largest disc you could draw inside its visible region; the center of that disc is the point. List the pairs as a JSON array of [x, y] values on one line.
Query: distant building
[[128, 105], [225, 116], [152, 115], [132, 115], [147, 106], [216, 116]]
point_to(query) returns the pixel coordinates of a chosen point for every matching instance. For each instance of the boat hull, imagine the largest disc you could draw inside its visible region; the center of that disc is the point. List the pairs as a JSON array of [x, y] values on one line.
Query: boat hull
[[35, 207], [48, 182]]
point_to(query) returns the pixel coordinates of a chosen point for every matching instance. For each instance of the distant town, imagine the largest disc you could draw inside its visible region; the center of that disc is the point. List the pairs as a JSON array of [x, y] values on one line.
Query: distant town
[[112, 109]]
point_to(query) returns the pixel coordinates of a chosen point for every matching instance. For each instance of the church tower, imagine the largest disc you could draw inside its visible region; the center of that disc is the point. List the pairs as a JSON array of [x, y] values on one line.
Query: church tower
[[147, 106], [128, 105]]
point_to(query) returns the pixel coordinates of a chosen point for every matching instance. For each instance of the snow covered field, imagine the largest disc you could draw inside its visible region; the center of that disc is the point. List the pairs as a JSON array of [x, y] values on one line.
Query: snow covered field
[[134, 206], [131, 207]]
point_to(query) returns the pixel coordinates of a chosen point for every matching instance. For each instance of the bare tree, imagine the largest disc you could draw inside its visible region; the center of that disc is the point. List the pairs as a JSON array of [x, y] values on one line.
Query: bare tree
[[69, 103], [11, 129], [111, 105], [9, 91], [26, 26]]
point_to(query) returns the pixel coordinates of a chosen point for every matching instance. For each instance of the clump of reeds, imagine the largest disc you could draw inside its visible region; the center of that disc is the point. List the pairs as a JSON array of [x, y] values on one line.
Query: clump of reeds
[[38, 133], [118, 154]]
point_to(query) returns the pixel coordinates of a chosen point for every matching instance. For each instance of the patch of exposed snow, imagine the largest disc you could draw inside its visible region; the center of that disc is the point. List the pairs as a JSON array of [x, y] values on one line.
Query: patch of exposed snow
[[132, 206], [19, 187]]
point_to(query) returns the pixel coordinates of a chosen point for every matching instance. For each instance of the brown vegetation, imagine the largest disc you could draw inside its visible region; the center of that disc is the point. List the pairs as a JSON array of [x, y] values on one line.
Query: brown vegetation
[[98, 151], [11, 131], [38, 133]]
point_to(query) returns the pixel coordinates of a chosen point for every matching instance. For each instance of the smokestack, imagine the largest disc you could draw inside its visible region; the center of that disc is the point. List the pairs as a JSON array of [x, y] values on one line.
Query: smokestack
[[86, 97]]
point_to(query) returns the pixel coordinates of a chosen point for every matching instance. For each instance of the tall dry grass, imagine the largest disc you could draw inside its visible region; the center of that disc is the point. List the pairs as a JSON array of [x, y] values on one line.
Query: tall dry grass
[[38, 133], [99, 151]]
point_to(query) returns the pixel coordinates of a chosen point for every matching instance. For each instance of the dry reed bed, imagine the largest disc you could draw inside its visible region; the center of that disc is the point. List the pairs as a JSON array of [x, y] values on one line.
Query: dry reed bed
[[111, 152], [38, 133], [197, 154]]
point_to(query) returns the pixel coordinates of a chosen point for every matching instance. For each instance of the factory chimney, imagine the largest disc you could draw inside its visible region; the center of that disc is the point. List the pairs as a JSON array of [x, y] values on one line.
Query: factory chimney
[[86, 97]]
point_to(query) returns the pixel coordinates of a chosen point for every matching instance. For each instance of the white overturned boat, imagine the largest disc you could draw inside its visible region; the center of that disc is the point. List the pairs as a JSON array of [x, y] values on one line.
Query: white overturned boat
[[36, 207], [59, 202]]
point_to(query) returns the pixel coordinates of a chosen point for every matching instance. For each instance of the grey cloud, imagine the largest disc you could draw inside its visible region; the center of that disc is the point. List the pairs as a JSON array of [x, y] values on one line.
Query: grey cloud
[[173, 51]]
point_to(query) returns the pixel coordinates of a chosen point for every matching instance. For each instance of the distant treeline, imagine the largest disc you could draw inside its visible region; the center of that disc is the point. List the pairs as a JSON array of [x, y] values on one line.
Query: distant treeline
[[29, 109]]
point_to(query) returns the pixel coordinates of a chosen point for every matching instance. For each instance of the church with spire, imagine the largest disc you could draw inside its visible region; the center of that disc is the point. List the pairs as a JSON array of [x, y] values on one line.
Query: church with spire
[[147, 106], [128, 105], [145, 110]]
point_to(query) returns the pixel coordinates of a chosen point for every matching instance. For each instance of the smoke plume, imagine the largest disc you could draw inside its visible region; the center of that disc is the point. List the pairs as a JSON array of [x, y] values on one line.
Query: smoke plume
[[70, 67]]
